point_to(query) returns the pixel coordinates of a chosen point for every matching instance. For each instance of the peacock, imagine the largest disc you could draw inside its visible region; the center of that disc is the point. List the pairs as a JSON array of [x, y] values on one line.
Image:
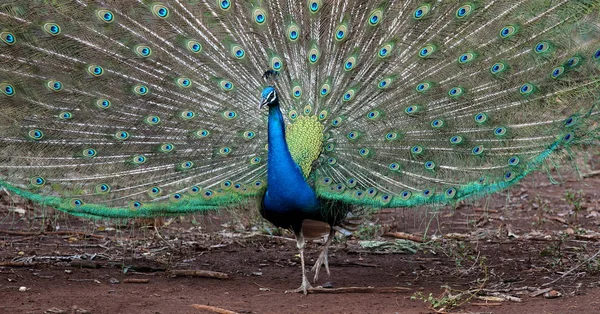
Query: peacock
[[311, 110]]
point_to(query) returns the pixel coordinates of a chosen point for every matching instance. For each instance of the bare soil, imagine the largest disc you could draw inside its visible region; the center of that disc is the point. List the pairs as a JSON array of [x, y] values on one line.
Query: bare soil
[[488, 256]]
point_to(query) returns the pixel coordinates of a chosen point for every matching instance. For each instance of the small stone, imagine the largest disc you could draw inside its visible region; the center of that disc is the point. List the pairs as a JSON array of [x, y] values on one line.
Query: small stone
[[113, 281], [257, 273], [553, 294], [22, 289]]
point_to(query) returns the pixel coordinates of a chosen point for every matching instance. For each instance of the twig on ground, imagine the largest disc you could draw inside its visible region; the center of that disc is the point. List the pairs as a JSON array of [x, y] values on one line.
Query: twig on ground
[[64, 232], [404, 236], [136, 280], [572, 269], [359, 290], [213, 309], [198, 273]]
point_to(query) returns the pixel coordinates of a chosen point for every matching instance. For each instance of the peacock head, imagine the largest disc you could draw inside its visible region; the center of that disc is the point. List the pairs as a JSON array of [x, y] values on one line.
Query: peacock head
[[268, 97]]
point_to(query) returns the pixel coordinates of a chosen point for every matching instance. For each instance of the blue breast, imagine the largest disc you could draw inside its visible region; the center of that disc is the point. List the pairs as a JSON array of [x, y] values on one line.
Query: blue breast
[[288, 199]]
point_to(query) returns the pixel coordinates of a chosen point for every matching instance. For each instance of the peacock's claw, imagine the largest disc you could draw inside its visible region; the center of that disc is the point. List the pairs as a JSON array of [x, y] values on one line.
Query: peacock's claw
[[322, 260], [303, 288]]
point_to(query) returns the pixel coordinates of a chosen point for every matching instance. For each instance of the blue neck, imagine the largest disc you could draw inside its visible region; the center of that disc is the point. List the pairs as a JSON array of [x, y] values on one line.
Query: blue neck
[[287, 191]]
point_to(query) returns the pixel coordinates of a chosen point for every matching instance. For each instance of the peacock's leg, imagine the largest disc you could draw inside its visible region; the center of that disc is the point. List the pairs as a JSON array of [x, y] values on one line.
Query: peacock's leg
[[322, 260], [300, 242]]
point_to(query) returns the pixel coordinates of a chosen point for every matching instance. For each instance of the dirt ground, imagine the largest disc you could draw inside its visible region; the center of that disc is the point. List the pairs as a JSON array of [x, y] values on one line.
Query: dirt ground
[[533, 249]]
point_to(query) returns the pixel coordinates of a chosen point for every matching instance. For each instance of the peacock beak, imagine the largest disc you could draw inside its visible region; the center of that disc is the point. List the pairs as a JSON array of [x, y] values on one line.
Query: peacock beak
[[263, 102]]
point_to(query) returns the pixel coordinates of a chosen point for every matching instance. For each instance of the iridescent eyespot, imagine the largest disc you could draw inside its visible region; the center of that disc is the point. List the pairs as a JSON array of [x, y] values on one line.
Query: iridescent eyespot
[[450, 193], [336, 121], [568, 137], [416, 150], [437, 123], [260, 16], [255, 160], [405, 195], [375, 17], [323, 115], [326, 181], [509, 176], [166, 147], [481, 118], [500, 131], [349, 95], [105, 16], [373, 114], [142, 51], [341, 31], [201, 133], [456, 139], [102, 188], [187, 115], [293, 114], [466, 57], [421, 11], [276, 64], [526, 89], [331, 161], [103, 103], [237, 52], [353, 135], [249, 135], [427, 193], [35, 134], [508, 31], [186, 165], [313, 55], [95, 70], [224, 4], [597, 54], [497, 68], [330, 147], [152, 120], [423, 87], [193, 46], [54, 85], [135, 205], [293, 32], [350, 63], [426, 51], [513, 161], [65, 115], [394, 166], [229, 114], [225, 151], [429, 165], [385, 50], [226, 85], [141, 90], [478, 150], [542, 47], [160, 11], [138, 160], [391, 136], [385, 83], [76, 202], [558, 71], [455, 92], [194, 189], [464, 11], [573, 62], [296, 91], [52, 28], [570, 121], [89, 152], [314, 5], [176, 197], [412, 109], [37, 181], [324, 90], [8, 38], [121, 135]]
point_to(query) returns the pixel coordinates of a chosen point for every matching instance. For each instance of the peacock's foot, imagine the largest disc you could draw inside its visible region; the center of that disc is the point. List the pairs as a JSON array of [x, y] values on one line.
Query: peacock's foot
[[303, 288], [322, 260]]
